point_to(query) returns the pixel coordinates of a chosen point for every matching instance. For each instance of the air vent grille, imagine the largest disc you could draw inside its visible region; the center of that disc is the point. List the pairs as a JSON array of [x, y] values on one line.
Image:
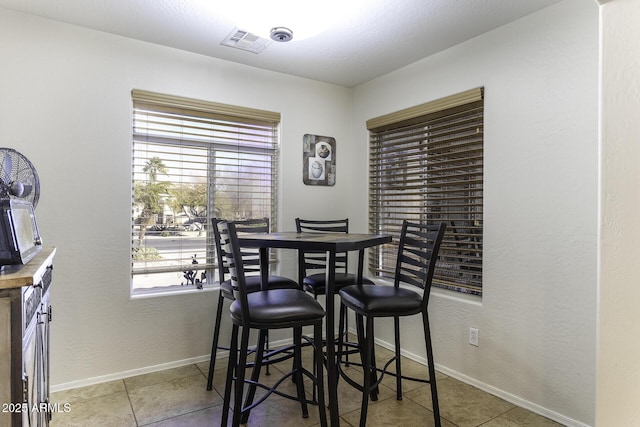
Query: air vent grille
[[244, 40]]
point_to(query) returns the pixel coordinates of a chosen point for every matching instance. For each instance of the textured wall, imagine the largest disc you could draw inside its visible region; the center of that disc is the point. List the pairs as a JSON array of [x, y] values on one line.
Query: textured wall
[[537, 316], [66, 105], [619, 293]]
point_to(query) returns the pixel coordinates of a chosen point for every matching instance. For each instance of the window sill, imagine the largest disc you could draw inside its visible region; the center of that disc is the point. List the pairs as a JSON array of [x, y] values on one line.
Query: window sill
[[457, 296], [170, 291]]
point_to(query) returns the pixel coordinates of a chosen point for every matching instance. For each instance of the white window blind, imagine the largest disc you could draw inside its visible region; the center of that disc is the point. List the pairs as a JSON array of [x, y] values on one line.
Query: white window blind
[[426, 164], [192, 161]]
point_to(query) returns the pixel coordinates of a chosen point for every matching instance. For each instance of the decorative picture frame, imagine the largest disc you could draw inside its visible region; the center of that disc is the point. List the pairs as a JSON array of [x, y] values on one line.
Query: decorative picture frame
[[319, 160]]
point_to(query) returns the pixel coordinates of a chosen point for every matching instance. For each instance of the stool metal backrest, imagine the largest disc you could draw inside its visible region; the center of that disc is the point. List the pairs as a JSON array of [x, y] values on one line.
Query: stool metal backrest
[[317, 261], [417, 252], [235, 264], [251, 259]]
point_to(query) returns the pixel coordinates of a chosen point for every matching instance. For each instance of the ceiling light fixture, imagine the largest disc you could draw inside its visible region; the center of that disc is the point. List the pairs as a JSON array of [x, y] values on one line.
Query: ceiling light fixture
[[281, 34], [302, 18]]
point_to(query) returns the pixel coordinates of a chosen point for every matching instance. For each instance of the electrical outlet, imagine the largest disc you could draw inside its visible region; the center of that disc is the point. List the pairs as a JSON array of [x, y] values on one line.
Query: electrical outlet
[[473, 336]]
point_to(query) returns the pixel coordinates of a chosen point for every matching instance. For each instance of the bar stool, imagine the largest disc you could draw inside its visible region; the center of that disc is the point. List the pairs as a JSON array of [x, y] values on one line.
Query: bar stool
[[265, 310], [312, 265], [415, 265], [252, 265]]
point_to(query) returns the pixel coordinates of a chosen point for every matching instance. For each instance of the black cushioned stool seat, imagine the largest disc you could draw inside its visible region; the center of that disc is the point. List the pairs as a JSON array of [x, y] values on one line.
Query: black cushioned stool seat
[[382, 300], [278, 308], [316, 283]]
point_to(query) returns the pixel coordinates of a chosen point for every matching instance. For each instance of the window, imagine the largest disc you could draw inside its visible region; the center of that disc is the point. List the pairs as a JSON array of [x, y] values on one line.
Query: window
[[192, 161], [426, 164]]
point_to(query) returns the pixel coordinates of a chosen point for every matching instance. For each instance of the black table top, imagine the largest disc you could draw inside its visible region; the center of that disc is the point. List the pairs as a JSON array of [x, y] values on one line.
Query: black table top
[[339, 242]]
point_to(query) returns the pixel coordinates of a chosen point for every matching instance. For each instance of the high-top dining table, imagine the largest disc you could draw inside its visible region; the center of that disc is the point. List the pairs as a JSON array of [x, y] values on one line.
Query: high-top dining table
[[331, 243]]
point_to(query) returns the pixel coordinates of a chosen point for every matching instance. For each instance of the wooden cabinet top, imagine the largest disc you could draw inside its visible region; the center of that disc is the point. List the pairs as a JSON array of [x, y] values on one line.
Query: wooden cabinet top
[[16, 276]]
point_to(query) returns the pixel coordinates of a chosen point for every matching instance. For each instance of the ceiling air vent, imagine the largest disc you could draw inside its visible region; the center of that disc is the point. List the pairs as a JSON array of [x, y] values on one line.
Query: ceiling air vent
[[245, 40]]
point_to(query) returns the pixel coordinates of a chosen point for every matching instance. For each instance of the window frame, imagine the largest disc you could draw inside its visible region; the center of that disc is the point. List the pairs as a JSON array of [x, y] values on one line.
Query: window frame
[[229, 149], [426, 165]]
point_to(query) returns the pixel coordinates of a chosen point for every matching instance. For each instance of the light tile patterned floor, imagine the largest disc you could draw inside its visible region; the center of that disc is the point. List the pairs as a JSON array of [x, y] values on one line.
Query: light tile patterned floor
[[178, 398]]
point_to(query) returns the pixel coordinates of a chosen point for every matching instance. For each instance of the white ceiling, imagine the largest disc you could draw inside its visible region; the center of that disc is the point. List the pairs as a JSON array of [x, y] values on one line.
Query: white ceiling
[[385, 36]]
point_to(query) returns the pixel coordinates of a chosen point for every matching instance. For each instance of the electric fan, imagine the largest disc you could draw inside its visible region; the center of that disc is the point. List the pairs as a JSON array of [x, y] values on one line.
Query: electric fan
[[18, 177]]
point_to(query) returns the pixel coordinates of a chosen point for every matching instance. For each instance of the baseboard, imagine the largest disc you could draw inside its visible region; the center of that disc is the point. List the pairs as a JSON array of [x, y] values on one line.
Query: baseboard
[[530, 406], [148, 369], [131, 373]]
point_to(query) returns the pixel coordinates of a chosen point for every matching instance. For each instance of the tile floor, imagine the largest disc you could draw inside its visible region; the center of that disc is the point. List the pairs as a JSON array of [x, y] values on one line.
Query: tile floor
[[178, 398]]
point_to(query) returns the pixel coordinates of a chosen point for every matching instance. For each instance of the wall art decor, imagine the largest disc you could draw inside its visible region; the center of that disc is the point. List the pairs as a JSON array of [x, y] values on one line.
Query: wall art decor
[[319, 160]]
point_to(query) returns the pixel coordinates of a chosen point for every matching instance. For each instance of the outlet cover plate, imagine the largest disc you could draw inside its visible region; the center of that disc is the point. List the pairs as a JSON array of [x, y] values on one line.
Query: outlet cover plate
[[473, 336]]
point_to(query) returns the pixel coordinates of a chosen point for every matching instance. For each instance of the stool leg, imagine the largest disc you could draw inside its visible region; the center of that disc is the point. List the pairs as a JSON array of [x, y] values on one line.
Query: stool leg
[[341, 336], [255, 375], [240, 374], [343, 313], [396, 326], [297, 366], [214, 345], [319, 366], [231, 368], [374, 372], [366, 366], [432, 370], [315, 296], [361, 336], [363, 344], [266, 346]]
